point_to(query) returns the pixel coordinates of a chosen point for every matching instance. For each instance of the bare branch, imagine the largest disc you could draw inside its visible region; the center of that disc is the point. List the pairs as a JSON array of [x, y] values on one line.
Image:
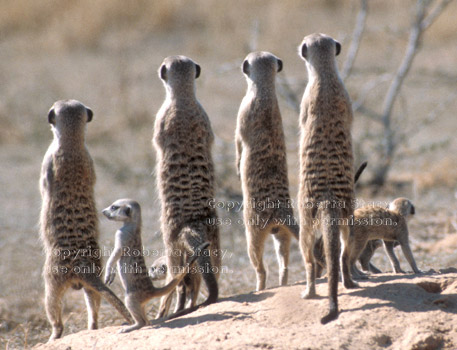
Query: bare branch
[[427, 21], [356, 38]]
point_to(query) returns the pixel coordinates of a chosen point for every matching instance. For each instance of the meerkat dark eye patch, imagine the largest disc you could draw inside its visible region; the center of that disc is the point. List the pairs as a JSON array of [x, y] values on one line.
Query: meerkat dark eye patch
[[304, 51], [245, 67], [279, 65], [163, 72], [338, 48], [197, 71], [90, 114], [413, 210], [52, 117]]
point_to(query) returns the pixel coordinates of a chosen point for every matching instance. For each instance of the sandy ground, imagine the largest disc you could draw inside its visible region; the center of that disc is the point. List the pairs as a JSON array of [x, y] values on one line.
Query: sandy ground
[[389, 312]]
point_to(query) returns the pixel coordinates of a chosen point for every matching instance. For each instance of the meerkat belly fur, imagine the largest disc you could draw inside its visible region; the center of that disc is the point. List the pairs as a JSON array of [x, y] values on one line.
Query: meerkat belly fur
[[68, 222], [326, 190], [262, 166], [128, 254], [185, 177]]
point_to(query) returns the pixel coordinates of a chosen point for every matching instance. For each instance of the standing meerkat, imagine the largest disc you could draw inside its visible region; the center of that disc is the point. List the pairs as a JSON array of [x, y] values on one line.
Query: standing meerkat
[[326, 190], [185, 177], [389, 224], [68, 221], [128, 254], [262, 166]]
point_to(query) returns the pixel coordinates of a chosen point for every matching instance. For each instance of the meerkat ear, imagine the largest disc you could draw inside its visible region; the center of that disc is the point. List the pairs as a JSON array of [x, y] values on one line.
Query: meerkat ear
[[163, 72], [413, 210], [90, 114], [127, 211], [279, 65], [52, 116], [198, 70], [304, 51], [245, 67], [338, 48]]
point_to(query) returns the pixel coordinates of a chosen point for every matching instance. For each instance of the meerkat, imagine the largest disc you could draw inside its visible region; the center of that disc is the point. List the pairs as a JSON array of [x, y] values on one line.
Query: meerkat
[[158, 272], [128, 255], [262, 166], [389, 224], [326, 190], [68, 220], [185, 178]]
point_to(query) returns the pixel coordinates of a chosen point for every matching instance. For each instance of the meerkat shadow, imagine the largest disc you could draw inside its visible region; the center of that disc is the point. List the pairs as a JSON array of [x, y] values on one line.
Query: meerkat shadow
[[211, 317], [411, 297]]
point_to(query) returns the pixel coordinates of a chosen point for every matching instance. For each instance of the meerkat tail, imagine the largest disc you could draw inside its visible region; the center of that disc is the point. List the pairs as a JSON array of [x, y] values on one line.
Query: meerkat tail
[[331, 237], [193, 239], [108, 294], [360, 171], [173, 283]]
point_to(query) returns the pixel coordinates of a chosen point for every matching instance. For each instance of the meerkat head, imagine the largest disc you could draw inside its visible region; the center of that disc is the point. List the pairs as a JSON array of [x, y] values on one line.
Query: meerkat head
[[319, 49], [260, 66], [125, 210], [69, 117], [179, 72], [402, 206]]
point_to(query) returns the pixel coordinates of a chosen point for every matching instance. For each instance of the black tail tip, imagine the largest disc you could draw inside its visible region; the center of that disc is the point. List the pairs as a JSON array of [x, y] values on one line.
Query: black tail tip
[[331, 316]]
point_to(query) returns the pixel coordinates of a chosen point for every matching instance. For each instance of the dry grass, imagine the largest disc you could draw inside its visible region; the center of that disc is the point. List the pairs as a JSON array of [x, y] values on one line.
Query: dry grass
[[106, 54]]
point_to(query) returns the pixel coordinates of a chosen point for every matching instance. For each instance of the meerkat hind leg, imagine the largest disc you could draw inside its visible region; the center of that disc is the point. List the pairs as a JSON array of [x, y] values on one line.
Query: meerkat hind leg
[[165, 301], [282, 246], [307, 249], [53, 304], [255, 251], [93, 299], [136, 308], [347, 239], [181, 297]]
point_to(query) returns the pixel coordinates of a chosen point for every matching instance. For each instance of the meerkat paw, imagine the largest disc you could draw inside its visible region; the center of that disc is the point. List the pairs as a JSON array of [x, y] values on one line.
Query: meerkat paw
[[350, 284], [131, 328], [109, 278], [308, 293]]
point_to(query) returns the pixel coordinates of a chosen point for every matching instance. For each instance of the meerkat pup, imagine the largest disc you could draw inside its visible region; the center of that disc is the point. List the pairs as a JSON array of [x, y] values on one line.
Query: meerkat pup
[[128, 254], [326, 190], [68, 221], [185, 178], [262, 166], [390, 225]]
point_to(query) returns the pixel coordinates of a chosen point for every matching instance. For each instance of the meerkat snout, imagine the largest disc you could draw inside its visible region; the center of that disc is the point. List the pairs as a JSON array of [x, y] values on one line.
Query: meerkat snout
[[118, 211]]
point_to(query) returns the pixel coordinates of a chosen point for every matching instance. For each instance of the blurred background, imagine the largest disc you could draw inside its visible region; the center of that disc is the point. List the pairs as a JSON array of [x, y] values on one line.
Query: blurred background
[[106, 54]]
